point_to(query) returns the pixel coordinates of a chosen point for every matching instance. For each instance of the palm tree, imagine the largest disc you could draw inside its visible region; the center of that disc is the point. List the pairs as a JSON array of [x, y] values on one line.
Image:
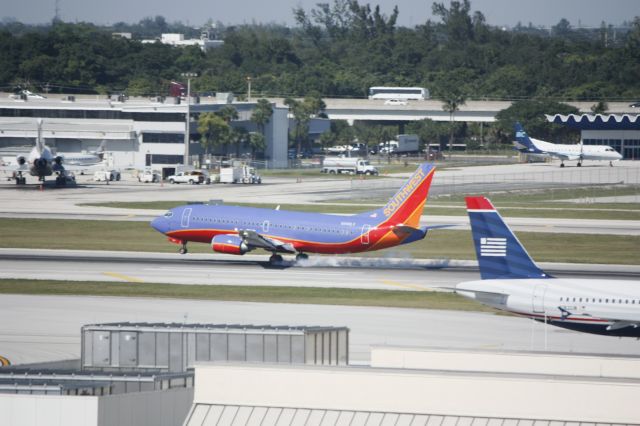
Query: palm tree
[[452, 103], [261, 115], [213, 131], [228, 114], [256, 142]]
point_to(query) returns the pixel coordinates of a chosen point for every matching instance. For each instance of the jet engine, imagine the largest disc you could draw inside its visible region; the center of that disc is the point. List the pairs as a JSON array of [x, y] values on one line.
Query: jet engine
[[21, 160], [229, 244], [40, 163], [58, 160]]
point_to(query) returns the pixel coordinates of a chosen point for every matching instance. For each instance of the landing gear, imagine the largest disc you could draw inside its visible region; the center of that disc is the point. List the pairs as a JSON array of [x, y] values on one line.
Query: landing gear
[[275, 259], [579, 163], [301, 256], [610, 163], [183, 248], [562, 164]]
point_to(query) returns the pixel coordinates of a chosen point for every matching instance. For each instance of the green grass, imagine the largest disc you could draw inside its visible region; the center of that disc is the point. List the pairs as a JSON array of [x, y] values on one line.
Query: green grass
[[455, 207], [264, 294], [439, 244]]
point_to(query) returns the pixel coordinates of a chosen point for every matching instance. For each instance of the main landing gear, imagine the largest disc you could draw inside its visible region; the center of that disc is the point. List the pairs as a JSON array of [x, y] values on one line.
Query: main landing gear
[[301, 256], [183, 248], [275, 259]]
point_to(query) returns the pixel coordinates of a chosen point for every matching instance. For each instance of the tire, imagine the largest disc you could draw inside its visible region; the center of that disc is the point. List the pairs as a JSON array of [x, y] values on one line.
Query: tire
[[171, 181], [368, 173], [332, 172]]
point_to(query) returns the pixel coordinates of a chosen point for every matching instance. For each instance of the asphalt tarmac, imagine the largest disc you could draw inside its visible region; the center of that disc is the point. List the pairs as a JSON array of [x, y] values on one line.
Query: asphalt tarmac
[[383, 273], [46, 328]]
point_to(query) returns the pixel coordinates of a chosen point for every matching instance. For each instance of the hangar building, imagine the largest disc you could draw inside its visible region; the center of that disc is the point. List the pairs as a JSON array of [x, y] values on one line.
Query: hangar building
[[139, 132]]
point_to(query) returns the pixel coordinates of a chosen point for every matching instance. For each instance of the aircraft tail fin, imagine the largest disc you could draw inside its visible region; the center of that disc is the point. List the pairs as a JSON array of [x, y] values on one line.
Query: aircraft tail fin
[[39, 140], [523, 142], [500, 254], [406, 206]]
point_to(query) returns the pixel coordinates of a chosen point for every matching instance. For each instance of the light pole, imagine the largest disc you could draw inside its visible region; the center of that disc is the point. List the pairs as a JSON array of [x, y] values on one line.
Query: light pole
[[187, 125], [248, 89]]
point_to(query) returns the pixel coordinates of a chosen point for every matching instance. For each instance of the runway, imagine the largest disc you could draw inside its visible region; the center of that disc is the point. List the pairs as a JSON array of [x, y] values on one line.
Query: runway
[[214, 269], [46, 328]]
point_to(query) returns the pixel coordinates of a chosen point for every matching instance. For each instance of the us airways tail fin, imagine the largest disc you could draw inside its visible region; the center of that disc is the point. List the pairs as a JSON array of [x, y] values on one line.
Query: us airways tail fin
[[406, 206], [500, 254], [523, 142]]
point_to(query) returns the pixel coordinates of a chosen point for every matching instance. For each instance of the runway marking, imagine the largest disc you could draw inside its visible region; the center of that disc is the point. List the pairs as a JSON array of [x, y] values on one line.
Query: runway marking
[[244, 271], [123, 277], [410, 286], [4, 361]]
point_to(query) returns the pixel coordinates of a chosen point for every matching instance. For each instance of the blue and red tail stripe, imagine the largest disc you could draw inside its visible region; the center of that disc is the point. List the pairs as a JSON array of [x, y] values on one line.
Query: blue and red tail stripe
[[500, 254]]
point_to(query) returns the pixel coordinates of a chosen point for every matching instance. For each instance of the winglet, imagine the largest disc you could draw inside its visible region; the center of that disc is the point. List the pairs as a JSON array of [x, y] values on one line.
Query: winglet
[[500, 254]]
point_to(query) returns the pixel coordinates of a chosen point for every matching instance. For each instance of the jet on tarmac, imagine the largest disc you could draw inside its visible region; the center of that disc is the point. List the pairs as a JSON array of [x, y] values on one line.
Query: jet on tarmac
[[238, 230], [41, 162], [511, 281], [579, 152]]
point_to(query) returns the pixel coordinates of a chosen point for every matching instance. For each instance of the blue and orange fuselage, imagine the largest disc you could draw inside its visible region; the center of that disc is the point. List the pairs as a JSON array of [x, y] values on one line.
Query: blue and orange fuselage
[[394, 224]]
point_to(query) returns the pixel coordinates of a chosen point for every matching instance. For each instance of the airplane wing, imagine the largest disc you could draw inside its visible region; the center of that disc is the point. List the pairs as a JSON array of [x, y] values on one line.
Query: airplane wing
[[563, 156], [15, 168], [254, 240]]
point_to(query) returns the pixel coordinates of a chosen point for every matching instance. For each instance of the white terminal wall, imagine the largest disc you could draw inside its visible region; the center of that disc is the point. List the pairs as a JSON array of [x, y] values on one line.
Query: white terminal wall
[[158, 408], [421, 392], [506, 362]]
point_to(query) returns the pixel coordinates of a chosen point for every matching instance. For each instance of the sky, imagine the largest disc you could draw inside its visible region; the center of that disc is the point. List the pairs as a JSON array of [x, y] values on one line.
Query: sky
[[585, 13]]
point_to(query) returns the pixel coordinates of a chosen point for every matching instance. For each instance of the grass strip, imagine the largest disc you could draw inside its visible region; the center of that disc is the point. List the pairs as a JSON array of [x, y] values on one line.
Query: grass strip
[[262, 294], [439, 244]]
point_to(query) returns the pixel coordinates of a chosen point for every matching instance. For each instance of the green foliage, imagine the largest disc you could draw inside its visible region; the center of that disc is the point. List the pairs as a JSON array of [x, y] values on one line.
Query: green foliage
[[531, 114], [339, 49], [214, 131]]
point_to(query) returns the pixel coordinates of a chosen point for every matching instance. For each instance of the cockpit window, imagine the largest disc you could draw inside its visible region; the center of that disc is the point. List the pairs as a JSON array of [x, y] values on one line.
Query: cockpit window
[[168, 214]]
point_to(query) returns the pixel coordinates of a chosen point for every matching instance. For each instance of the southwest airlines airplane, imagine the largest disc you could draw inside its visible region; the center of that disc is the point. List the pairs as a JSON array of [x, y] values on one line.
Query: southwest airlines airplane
[[512, 282], [579, 152], [238, 230]]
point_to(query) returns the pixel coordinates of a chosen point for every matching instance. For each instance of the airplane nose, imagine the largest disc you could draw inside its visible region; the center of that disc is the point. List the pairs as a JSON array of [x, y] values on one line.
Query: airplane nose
[[160, 224]]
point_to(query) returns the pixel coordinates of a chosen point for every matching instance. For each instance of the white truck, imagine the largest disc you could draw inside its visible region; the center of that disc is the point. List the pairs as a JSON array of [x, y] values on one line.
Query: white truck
[[239, 174], [350, 165], [404, 145]]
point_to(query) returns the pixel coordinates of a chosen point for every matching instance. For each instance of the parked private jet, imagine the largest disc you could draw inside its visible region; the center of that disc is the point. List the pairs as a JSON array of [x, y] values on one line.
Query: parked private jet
[[40, 162], [579, 152], [238, 230], [511, 281]]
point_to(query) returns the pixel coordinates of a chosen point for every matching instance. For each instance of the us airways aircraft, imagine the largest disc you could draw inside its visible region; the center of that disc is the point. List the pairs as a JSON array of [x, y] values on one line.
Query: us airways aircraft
[[579, 152], [238, 230], [511, 281]]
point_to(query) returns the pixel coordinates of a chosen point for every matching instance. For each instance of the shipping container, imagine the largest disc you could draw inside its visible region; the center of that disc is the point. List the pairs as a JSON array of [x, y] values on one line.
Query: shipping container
[[177, 347]]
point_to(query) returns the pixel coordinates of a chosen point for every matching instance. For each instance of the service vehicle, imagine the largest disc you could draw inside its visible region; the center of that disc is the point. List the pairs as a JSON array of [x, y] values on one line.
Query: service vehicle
[[106, 175], [350, 165], [149, 176], [192, 177], [239, 174]]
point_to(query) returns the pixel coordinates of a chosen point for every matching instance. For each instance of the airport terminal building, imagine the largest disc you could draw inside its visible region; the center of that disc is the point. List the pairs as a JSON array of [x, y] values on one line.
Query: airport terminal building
[[139, 132], [619, 131]]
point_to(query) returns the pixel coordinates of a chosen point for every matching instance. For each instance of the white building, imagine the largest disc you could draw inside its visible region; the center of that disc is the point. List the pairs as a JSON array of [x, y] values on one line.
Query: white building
[[139, 132], [176, 39]]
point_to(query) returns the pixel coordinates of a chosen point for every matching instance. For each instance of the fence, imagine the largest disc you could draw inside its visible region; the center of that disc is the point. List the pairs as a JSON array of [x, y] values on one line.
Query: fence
[[586, 184]]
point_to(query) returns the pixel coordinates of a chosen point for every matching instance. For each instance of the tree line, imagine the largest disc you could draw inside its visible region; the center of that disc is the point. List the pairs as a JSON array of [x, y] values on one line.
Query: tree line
[[337, 49], [340, 49]]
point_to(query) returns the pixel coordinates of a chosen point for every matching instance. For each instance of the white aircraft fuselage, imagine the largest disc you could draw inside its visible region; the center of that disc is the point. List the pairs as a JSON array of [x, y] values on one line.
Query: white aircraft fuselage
[[577, 304]]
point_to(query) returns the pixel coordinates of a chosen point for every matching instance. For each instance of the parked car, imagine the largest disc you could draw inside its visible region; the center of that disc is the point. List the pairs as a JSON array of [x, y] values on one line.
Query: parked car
[[395, 102], [148, 176], [191, 177], [106, 175]]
